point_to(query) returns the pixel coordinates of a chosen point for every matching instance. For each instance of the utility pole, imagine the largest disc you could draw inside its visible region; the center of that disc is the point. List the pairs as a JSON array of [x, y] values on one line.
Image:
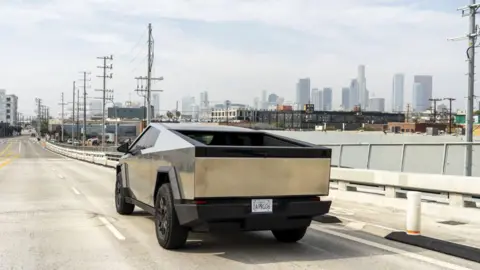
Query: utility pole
[[435, 108], [84, 133], [227, 104], [149, 79], [470, 11], [450, 114], [39, 115], [63, 115], [104, 90], [144, 92], [408, 113], [78, 114], [73, 113]]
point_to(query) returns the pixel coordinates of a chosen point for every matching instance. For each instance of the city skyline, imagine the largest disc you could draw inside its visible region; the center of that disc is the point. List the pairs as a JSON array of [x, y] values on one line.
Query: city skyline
[[227, 50]]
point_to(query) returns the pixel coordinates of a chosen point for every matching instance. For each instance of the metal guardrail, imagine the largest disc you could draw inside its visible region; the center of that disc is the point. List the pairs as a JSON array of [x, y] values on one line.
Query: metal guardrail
[[430, 158], [458, 191], [109, 149]]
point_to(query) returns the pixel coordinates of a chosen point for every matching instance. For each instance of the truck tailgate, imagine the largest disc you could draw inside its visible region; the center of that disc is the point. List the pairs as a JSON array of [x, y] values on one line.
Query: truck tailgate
[[261, 177]]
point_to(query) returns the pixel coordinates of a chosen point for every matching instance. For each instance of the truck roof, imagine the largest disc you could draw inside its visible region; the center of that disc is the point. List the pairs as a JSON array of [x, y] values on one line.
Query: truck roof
[[202, 127]]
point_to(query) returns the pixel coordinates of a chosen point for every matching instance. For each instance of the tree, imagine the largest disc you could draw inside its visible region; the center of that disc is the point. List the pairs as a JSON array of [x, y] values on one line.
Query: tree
[[178, 114], [477, 112], [169, 115]]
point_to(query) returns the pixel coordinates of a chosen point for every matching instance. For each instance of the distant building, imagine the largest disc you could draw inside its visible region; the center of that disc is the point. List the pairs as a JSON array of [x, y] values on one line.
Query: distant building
[[3, 105], [376, 105], [11, 105], [354, 94], [423, 86], [317, 99], [327, 99], [346, 98], [187, 103], [398, 92], [128, 113], [156, 104], [302, 92], [272, 98]]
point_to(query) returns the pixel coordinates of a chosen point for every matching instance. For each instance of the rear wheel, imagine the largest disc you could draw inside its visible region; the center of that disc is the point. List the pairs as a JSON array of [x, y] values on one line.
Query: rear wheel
[[170, 234], [123, 208], [290, 235]]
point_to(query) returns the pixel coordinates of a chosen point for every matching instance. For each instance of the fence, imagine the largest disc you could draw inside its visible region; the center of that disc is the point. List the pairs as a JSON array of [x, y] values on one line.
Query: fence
[[432, 158], [107, 149]]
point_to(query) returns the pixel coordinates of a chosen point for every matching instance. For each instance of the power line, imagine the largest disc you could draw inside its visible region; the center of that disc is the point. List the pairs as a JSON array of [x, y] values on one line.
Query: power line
[[435, 108], [104, 90]]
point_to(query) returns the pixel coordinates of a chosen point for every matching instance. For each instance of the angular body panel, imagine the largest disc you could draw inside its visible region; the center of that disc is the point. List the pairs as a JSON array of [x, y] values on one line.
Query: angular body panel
[[260, 177]]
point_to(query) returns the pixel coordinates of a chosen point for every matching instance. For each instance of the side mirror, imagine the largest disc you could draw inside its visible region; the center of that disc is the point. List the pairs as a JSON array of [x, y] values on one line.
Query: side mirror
[[124, 148]]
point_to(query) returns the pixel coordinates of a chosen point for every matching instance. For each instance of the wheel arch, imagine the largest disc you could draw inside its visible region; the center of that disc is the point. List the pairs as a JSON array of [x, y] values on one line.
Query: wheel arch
[[167, 174]]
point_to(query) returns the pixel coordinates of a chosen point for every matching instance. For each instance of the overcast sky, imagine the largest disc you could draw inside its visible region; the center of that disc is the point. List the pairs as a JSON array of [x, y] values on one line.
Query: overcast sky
[[231, 48]]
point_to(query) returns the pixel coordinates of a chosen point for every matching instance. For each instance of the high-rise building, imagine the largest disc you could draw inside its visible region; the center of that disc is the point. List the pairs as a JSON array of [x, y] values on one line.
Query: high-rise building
[[156, 104], [187, 103], [422, 100], [264, 104], [418, 102], [398, 92], [362, 87], [11, 102], [346, 98], [317, 99], [376, 105], [3, 105], [204, 106], [327, 99], [354, 94], [302, 92], [272, 98], [256, 103]]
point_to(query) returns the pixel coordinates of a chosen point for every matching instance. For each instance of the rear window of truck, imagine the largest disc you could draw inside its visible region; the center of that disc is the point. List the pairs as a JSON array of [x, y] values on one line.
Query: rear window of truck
[[236, 138]]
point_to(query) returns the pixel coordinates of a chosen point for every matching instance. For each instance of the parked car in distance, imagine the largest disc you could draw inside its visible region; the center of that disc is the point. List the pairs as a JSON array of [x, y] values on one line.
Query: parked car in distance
[[201, 178]]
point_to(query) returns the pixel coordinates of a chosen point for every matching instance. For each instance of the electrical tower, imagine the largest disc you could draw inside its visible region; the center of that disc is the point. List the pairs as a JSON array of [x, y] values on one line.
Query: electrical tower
[[63, 115], [104, 89], [471, 11], [144, 92]]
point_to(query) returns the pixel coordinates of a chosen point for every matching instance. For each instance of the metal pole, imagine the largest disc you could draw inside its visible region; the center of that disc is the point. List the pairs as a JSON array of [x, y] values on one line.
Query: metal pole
[[149, 73], [84, 108], [73, 113], [103, 99], [471, 80], [63, 103], [116, 124], [78, 114]]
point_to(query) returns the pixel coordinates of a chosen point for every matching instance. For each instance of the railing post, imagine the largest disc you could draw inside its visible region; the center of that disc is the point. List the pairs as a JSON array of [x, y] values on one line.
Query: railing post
[[402, 158], [445, 157], [339, 164], [369, 153]]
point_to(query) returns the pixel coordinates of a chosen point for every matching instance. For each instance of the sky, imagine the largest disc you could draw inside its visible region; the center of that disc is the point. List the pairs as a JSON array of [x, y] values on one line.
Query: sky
[[233, 49]]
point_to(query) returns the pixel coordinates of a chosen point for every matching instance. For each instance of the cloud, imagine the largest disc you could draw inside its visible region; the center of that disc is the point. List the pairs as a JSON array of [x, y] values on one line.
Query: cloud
[[232, 48]]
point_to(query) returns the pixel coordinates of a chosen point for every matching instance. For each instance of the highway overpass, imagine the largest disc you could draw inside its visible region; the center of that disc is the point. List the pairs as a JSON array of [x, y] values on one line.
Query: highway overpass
[[57, 212]]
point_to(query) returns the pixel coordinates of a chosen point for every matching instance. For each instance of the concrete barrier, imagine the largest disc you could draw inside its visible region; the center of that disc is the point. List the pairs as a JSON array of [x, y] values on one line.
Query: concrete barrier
[[458, 191]]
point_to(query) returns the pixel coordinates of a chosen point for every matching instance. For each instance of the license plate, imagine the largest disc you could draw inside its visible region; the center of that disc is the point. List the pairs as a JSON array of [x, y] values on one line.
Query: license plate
[[262, 206]]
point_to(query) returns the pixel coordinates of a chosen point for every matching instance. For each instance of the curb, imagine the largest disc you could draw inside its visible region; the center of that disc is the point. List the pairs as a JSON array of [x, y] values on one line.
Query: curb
[[449, 248]]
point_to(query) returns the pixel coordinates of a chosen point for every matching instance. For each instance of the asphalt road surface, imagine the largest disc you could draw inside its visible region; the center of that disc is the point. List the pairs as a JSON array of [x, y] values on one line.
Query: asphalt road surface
[[58, 213]]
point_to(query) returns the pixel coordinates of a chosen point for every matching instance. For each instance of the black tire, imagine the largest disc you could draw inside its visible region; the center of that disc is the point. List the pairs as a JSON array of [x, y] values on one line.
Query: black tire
[[170, 234], [123, 208], [289, 236]]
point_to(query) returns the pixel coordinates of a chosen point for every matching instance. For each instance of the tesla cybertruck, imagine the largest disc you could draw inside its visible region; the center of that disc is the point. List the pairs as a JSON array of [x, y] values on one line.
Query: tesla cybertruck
[[201, 178]]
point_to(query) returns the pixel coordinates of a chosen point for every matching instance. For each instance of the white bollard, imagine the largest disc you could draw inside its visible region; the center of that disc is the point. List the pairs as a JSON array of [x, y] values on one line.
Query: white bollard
[[414, 212]]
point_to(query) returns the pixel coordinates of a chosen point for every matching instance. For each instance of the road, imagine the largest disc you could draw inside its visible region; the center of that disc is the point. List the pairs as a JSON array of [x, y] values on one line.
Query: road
[[58, 213]]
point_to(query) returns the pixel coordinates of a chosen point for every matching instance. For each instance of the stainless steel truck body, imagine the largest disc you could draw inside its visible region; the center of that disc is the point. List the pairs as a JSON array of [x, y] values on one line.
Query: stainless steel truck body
[[195, 177]]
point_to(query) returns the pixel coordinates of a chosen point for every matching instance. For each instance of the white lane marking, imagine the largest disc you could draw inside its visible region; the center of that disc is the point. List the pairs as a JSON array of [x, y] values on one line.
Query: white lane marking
[[75, 191], [112, 229], [391, 249], [20, 147], [61, 176]]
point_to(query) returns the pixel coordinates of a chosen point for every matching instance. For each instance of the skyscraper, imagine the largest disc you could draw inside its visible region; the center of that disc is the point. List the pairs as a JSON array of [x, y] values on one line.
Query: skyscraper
[[398, 92], [362, 87], [264, 104], [346, 98], [302, 92], [417, 98], [317, 99], [187, 104], [204, 106], [354, 94], [426, 82], [327, 99]]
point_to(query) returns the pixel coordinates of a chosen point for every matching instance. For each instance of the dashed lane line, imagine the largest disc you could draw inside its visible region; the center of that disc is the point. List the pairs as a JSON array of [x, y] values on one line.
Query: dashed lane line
[[112, 229]]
